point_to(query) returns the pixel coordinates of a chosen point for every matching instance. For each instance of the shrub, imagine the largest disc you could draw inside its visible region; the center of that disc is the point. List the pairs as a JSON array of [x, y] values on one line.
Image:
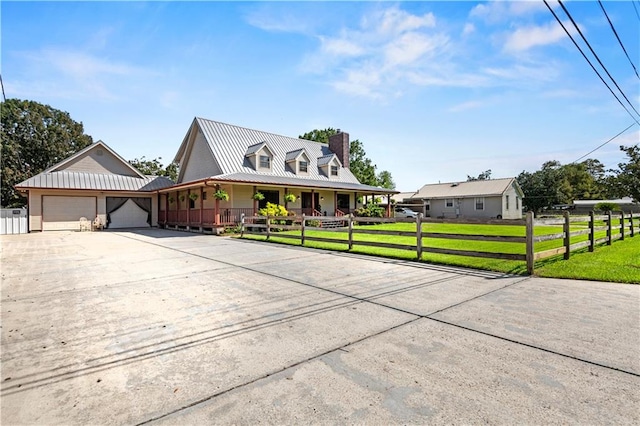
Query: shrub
[[369, 210], [606, 207], [273, 210]]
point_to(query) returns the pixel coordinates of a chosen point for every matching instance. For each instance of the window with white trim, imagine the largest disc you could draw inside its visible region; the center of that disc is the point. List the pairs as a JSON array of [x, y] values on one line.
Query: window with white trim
[[265, 162], [517, 202], [334, 170], [506, 202], [303, 166], [448, 202], [479, 203]]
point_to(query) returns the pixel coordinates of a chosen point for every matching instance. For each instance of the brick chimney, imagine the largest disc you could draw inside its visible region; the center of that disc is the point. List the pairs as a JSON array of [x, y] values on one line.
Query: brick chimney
[[339, 145]]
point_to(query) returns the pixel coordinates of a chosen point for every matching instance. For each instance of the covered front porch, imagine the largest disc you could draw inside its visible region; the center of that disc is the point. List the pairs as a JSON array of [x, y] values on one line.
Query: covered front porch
[[202, 207]]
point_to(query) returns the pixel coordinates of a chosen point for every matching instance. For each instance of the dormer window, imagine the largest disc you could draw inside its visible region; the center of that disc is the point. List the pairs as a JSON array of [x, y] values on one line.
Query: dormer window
[[260, 156], [329, 165], [298, 161]]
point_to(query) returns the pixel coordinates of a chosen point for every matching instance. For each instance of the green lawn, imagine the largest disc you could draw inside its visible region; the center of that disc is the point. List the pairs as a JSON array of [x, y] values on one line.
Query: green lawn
[[607, 263]]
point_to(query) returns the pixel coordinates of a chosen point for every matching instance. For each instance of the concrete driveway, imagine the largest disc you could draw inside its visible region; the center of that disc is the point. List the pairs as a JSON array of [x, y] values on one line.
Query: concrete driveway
[[175, 328]]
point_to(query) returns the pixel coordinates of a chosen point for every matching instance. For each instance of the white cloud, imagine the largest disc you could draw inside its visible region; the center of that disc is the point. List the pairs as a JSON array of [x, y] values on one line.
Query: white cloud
[[465, 106], [410, 47], [340, 47], [499, 11], [468, 29], [527, 37], [396, 21]]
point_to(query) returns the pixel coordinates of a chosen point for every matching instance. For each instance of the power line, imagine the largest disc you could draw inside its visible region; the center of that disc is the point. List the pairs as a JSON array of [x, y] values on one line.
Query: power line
[[600, 146], [619, 41], [588, 61], [596, 55], [636, 9], [4, 98]]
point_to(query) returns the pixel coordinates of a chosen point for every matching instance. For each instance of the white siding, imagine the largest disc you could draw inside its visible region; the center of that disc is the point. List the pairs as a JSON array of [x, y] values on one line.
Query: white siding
[[94, 162], [64, 213]]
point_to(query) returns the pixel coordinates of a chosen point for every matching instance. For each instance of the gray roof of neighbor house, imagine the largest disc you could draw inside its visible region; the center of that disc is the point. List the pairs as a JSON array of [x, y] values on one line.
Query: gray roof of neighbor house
[[95, 181], [475, 188], [230, 144]]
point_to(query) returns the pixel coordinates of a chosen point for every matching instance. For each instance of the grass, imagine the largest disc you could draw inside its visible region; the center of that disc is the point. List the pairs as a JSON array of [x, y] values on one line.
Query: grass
[[615, 263]]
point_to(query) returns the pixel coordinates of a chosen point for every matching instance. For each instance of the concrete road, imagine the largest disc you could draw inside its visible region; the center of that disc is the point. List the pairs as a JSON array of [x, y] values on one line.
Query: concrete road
[[175, 328]]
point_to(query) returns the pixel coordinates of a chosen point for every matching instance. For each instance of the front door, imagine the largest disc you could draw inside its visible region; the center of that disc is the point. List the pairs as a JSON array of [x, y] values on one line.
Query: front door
[[305, 198]]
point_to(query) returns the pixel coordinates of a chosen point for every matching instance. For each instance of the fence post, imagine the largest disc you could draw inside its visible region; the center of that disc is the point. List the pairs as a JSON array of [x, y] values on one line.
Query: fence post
[[631, 222], [350, 222], [304, 220], [567, 236], [529, 243], [621, 225], [609, 228], [242, 225], [268, 227], [419, 235], [592, 232]]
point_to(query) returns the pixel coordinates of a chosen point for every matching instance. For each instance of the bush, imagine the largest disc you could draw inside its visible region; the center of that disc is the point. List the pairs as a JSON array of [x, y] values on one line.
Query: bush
[[606, 207], [370, 210]]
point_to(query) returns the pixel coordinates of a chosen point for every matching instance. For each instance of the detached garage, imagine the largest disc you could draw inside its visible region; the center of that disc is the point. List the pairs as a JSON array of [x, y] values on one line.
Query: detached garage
[[96, 184]]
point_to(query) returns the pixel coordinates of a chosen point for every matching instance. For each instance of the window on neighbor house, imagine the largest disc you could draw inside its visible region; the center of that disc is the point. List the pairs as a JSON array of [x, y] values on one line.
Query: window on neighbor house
[[334, 170], [449, 202], [303, 166], [507, 202], [265, 162], [479, 203], [517, 203]]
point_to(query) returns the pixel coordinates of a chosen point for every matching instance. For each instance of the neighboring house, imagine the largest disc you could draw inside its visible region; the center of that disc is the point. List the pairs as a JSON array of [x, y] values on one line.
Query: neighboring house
[[93, 183], [494, 198], [241, 162], [625, 204]]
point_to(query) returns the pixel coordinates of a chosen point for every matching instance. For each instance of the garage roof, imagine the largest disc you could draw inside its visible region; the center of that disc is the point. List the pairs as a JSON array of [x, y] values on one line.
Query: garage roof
[[99, 182]]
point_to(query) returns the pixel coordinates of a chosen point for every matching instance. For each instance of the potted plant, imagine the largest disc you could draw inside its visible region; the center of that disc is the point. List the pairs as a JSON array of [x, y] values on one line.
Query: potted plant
[[171, 200], [258, 196], [182, 197], [221, 194], [193, 196], [289, 198]]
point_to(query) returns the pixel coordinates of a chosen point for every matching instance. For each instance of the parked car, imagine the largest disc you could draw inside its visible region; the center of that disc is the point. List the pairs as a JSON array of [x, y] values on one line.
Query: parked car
[[405, 212]]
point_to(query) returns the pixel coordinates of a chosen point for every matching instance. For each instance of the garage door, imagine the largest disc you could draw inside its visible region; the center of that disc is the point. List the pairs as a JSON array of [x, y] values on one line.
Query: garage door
[[64, 213], [129, 215]]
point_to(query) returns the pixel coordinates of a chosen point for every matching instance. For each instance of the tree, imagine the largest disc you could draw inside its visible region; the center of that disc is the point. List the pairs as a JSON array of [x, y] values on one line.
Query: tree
[[360, 165], [541, 187], [34, 137], [628, 176], [486, 175], [155, 168]]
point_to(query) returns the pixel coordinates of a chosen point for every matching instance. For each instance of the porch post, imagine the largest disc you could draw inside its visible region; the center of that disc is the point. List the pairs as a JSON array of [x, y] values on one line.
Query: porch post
[[166, 208], [388, 205], [255, 202], [188, 208], [216, 210], [286, 203], [335, 202], [355, 200], [313, 202], [201, 207]]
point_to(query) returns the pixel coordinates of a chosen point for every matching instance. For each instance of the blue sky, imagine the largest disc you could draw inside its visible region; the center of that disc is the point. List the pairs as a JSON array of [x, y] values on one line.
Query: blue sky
[[436, 91]]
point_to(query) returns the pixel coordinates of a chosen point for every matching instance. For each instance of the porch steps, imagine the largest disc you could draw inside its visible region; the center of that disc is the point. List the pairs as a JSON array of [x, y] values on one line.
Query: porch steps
[[333, 223]]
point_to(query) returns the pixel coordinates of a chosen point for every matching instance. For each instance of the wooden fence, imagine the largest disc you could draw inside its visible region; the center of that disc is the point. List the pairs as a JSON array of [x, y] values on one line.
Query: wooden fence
[[625, 226]]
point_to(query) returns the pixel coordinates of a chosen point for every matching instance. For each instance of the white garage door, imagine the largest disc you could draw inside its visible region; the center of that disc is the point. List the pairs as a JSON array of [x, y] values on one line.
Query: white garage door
[[129, 216], [64, 213]]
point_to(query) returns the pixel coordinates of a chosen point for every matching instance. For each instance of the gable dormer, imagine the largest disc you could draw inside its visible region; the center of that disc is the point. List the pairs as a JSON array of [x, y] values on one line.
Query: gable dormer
[[298, 161], [330, 166], [260, 156]]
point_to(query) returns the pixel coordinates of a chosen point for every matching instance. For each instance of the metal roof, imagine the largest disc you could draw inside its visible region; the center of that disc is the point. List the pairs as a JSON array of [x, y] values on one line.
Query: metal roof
[[475, 188], [325, 183], [323, 161], [94, 181], [292, 155], [230, 144]]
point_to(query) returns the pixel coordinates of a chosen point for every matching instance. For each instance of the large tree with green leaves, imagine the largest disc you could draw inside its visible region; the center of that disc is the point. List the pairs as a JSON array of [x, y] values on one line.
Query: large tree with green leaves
[[627, 181], [360, 165], [34, 137], [155, 168]]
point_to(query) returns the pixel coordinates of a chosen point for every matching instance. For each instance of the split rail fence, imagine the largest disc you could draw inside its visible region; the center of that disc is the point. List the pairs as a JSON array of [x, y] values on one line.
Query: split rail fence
[[601, 229]]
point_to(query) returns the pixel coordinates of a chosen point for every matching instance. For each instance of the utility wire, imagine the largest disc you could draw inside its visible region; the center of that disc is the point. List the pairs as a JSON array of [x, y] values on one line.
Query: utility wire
[[588, 61], [4, 98], [596, 55], [636, 9], [619, 41], [600, 146]]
